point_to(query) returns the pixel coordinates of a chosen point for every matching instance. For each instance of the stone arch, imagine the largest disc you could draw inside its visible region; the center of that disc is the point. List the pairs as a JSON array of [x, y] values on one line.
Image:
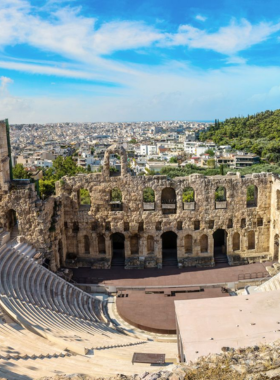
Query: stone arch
[[236, 241], [168, 200], [169, 248], [150, 244], [118, 249], [188, 243], [86, 245], [101, 244], [220, 194], [252, 196], [251, 240], [276, 248], [115, 149], [168, 195], [204, 244], [134, 244], [11, 219]]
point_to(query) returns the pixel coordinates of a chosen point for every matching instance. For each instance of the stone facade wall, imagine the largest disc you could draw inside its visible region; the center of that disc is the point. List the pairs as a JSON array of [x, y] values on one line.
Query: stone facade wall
[[98, 219], [72, 234]]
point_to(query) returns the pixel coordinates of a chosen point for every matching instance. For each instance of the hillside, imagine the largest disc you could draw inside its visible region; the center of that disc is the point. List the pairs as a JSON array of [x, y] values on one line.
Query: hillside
[[259, 134]]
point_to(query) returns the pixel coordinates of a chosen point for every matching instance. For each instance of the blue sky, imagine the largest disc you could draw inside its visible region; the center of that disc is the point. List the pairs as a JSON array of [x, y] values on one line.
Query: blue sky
[[109, 60]]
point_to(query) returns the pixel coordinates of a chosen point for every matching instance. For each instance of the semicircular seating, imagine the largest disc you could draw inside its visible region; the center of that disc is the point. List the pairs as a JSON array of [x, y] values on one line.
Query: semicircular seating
[[68, 318]]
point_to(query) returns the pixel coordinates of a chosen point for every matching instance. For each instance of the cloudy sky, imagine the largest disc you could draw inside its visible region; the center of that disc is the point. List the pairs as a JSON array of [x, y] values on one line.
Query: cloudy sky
[[124, 60]]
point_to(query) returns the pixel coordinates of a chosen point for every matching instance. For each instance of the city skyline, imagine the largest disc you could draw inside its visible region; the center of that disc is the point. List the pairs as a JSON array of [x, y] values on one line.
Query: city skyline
[[104, 61]]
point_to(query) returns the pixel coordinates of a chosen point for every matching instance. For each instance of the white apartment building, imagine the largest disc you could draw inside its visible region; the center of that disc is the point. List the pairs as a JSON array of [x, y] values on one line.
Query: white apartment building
[[148, 150]]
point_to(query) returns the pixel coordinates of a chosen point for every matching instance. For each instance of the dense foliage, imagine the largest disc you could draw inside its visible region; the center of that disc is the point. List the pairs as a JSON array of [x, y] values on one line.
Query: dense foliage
[[192, 169], [188, 194], [259, 134], [61, 167], [148, 195], [19, 172], [85, 197], [116, 195]]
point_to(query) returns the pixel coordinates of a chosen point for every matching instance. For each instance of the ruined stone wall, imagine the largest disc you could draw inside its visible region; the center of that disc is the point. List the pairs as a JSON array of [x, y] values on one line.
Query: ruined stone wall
[[275, 218], [4, 159], [34, 216], [99, 219], [72, 234]]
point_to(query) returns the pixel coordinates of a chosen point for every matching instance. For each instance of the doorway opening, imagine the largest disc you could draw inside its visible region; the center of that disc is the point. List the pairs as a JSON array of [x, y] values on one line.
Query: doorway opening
[[220, 246], [118, 253], [169, 249]]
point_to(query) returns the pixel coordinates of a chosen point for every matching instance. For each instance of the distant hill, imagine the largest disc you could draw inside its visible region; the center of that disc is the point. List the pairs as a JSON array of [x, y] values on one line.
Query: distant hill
[[259, 134]]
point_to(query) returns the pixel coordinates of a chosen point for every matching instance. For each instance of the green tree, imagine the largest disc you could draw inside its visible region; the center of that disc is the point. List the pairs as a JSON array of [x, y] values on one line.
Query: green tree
[[133, 141], [211, 163], [210, 152], [19, 172], [173, 160]]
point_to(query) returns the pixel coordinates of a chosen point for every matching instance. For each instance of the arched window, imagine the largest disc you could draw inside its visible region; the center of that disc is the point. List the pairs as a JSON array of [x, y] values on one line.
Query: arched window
[[86, 245], [116, 199], [84, 197], [148, 195], [150, 244], [188, 194], [236, 242], [188, 242], [115, 161], [116, 195], [251, 240], [168, 201], [252, 196], [220, 194], [148, 199], [168, 196], [101, 244], [134, 245], [204, 244]]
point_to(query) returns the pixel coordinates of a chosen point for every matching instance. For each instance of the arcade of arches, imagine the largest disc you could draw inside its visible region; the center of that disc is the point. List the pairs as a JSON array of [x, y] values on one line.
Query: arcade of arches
[[99, 220]]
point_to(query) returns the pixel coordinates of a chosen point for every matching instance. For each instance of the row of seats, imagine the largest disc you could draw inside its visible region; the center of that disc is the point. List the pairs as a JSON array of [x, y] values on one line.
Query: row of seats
[[270, 285], [43, 301], [72, 333]]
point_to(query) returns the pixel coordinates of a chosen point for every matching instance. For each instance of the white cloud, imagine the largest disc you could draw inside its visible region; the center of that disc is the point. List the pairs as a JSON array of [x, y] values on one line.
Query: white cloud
[[167, 92], [48, 70], [4, 81], [228, 40], [201, 18]]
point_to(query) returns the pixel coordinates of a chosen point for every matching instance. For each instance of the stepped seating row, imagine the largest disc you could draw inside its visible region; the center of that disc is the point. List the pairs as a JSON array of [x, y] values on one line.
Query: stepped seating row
[[270, 285], [70, 320], [48, 305], [19, 343]]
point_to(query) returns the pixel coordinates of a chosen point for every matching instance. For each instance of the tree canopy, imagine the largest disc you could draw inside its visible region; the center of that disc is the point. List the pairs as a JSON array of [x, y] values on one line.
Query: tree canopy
[[19, 172], [259, 134]]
